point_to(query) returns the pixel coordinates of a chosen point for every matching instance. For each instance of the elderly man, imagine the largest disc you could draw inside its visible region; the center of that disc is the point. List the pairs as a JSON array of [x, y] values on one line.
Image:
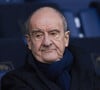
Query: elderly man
[[50, 64]]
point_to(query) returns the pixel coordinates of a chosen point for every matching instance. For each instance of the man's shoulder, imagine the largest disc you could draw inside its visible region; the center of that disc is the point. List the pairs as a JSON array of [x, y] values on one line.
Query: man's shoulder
[[22, 77], [23, 73]]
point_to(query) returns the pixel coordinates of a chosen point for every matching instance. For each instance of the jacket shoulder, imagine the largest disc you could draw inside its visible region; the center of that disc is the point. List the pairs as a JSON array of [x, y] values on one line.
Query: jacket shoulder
[[17, 79]]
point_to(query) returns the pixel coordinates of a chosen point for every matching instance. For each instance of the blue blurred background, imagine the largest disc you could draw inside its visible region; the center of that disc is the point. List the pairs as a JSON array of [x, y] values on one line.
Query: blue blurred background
[[83, 16]]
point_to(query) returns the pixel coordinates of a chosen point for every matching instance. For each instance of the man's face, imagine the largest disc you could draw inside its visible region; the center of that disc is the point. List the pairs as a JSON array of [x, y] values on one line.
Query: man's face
[[47, 39]]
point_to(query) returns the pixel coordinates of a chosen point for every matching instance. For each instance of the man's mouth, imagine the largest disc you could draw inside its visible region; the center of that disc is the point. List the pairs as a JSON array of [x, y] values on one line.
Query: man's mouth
[[48, 51]]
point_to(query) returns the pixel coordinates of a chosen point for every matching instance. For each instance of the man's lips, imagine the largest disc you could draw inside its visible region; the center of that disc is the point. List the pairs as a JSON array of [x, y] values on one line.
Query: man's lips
[[47, 51]]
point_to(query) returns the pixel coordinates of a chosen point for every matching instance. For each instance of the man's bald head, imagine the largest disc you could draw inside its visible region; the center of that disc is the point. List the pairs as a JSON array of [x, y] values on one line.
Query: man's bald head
[[43, 11]]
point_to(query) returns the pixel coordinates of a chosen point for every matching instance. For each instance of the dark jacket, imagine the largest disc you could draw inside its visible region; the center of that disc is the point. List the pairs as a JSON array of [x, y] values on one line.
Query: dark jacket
[[28, 77]]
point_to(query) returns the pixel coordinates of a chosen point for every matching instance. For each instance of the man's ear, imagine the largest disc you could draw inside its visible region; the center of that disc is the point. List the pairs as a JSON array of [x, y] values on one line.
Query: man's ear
[[67, 33], [28, 40]]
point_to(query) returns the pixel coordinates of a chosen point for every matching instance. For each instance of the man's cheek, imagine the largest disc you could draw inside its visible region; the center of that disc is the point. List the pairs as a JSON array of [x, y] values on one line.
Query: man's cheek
[[56, 41]]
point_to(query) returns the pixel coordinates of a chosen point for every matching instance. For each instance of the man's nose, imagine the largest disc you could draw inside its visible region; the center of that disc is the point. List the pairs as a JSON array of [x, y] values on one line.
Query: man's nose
[[47, 41]]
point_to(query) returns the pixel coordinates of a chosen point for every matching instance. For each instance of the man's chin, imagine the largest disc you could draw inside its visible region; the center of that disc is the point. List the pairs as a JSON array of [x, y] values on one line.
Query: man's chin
[[50, 60]]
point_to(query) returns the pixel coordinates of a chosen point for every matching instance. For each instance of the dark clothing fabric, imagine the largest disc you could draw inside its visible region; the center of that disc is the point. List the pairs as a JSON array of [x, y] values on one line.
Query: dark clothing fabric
[[58, 71], [29, 77]]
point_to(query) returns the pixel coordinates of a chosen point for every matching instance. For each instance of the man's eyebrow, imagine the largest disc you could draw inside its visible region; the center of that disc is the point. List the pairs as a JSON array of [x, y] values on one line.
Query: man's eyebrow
[[54, 30], [36, 30]]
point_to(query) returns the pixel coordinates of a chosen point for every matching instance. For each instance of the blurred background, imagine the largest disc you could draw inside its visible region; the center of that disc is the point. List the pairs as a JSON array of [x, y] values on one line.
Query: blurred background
[[83, 16]]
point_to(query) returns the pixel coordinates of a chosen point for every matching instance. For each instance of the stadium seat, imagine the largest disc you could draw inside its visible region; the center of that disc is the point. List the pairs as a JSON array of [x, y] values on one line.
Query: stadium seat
[[90, 22], [12, 55], [12, 52], [96, 5], [74, 32], [10, 20], [11, 1]]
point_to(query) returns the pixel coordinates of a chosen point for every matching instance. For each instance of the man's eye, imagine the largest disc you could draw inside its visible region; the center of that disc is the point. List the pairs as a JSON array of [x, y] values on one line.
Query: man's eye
[[53, 33], [38, 35]]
